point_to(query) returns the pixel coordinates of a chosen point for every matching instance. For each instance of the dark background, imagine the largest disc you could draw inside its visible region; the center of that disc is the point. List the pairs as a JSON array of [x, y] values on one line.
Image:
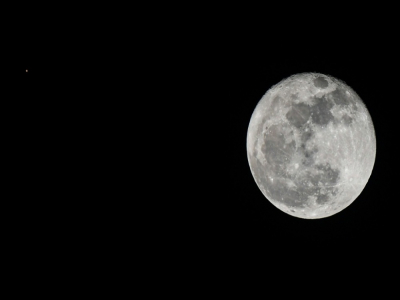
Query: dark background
[[207, 73]]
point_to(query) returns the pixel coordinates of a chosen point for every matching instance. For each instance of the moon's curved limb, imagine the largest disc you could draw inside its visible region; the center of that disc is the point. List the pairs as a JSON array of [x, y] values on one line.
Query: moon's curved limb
[[311, 145]]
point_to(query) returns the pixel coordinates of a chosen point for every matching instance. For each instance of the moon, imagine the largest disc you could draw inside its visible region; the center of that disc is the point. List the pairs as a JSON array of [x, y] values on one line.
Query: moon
[[311, 145]]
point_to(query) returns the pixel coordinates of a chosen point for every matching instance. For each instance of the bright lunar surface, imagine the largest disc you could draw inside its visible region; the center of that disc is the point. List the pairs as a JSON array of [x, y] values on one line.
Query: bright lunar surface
[[311, 145]]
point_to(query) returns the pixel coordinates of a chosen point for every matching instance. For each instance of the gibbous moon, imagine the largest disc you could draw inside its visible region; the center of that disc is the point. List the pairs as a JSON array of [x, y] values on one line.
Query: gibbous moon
[[311, 145]]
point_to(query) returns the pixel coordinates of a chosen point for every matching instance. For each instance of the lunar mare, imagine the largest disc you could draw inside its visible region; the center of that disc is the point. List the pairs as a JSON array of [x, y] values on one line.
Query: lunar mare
[[311, 145]]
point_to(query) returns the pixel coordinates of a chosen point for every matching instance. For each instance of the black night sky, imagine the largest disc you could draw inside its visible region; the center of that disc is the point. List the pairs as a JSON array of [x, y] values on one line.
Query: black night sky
[[204, 81]]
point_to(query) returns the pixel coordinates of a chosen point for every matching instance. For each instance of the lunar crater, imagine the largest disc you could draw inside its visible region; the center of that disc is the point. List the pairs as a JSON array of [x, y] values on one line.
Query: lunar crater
[[320, 82]]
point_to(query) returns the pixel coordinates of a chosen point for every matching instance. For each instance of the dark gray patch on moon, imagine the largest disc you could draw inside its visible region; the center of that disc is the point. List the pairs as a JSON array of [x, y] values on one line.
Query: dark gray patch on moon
[[308, 159], [326, 175], [346, 119], [322, 198], [307, 154], [340, 97], [298, 115], [275, 149], [320, 82], [321, 111], [326, 178], [306, 135]]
